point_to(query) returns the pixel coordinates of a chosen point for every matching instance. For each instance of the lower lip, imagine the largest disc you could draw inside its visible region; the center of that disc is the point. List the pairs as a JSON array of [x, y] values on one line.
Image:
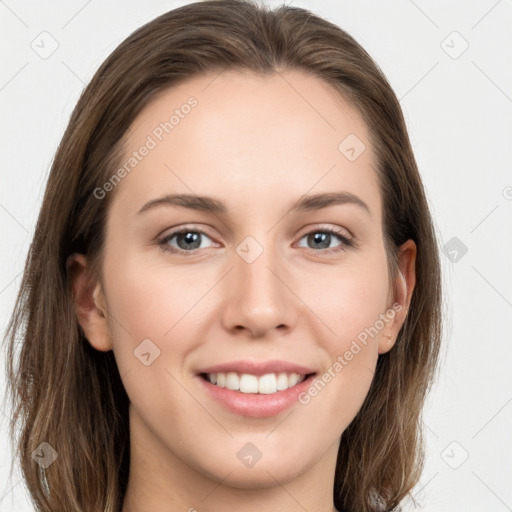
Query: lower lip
[[255, 405]]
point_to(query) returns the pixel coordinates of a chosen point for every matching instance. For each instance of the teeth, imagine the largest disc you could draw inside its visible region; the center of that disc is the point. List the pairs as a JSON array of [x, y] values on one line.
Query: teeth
[[246, 383], [232, 381], [282, 381], [293, 379], [267, 384]]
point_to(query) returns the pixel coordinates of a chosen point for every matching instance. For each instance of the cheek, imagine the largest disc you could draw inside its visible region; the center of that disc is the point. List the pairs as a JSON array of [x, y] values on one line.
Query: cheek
[[348, 299], [352, 308], [152, 301], [155, 311], [352, 302]]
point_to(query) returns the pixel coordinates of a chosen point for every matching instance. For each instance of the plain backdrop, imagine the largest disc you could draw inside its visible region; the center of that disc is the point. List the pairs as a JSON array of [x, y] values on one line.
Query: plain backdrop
[[450, 66]]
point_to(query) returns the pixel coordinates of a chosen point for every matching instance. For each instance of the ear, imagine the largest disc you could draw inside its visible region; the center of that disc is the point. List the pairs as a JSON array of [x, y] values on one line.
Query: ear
[[404, 286], [89, 301]]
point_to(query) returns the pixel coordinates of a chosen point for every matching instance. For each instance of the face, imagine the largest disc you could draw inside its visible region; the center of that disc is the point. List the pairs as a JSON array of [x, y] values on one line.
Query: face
[[279, 276]]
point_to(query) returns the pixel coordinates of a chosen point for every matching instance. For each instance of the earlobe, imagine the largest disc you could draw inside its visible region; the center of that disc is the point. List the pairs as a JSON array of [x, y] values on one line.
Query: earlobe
[[404, 287], [89, 303]]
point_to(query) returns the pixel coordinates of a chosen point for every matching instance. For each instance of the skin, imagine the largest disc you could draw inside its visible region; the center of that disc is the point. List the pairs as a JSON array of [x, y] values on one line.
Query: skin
[[257, 143]]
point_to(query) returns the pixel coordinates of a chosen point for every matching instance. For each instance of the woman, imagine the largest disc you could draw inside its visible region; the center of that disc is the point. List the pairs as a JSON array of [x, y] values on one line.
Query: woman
[[258, 369]]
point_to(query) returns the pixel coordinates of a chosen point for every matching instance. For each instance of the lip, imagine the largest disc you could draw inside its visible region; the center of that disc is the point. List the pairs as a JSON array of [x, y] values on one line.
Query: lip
[[258, 368], [255, 405]]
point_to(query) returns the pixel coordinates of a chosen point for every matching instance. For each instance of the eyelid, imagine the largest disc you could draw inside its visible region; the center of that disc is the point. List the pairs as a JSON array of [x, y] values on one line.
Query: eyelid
[[180, 229], [344, 232]]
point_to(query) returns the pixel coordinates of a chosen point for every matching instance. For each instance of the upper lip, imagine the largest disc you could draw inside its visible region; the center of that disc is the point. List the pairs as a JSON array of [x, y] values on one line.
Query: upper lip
[[258, 367]]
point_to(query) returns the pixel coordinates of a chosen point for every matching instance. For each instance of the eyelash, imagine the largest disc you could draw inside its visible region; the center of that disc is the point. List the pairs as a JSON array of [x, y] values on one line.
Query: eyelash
[[346, 242]]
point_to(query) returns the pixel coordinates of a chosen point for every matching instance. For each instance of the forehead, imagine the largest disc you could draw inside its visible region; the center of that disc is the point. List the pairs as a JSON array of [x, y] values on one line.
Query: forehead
[[241, 135]]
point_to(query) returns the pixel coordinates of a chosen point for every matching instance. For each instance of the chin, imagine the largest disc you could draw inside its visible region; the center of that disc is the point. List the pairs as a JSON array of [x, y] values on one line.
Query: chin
[[263, 474]]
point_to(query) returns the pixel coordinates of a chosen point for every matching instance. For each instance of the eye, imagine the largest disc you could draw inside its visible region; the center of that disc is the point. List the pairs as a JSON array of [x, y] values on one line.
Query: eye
[[187, 240], [322, 238]]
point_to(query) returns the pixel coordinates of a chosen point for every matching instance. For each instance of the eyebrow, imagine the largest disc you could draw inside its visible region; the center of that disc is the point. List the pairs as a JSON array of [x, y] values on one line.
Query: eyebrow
[[211, 205]]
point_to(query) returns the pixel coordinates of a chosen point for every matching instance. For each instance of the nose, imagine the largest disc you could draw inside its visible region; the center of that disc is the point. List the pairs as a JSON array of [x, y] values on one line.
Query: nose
[[259, 298]]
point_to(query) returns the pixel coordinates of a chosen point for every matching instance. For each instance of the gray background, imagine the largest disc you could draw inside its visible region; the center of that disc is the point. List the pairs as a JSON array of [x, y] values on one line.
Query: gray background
[[458, 106]]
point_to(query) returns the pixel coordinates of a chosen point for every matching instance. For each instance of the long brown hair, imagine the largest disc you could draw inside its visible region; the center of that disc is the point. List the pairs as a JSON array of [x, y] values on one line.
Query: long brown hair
[[71, 396]]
